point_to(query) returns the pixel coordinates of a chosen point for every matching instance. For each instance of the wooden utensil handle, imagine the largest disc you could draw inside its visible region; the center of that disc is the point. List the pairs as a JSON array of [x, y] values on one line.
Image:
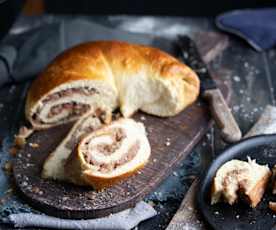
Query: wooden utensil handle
[[222, 115]]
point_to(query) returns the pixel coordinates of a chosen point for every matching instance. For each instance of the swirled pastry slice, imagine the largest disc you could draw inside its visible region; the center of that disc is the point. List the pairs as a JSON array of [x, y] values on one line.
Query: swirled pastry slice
[[240, 178], [54, 165], [109, 154], [113, 74]]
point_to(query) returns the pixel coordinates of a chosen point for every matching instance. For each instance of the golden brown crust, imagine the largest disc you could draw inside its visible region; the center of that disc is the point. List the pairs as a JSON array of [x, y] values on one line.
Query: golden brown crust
[[256, 194], [96, 60], [78, 173], [100, 183]]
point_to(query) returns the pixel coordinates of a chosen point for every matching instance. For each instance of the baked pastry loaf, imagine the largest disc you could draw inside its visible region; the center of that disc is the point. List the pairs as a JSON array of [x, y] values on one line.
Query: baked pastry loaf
[[113, 74], [236, 178], [109, 154], [54, 164]]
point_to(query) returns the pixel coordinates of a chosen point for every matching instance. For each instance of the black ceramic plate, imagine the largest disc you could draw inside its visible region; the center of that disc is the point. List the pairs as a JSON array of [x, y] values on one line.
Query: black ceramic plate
[[240, 216]]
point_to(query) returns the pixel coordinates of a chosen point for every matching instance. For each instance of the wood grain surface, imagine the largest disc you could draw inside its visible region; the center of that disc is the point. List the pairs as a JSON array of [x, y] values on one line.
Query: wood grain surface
[[182, 132]]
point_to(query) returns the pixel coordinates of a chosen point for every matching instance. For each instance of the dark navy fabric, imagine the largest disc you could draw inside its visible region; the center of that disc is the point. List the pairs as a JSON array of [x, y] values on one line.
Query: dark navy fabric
[[257, 27], [8, 56]]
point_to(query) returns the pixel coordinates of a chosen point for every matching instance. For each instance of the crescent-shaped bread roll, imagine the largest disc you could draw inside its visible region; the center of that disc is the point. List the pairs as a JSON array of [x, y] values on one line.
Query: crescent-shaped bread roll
[[113, 74], [109, 154], [240, 178], [54, 164]]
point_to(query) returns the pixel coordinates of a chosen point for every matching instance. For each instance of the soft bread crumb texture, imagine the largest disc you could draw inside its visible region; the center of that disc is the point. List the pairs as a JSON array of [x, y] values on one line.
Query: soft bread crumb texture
[[53, 167], [240, 179]]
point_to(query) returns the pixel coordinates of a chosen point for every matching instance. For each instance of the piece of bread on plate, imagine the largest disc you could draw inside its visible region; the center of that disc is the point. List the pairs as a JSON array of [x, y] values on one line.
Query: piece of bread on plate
[[110, 74], [108, 155], [240, 179]]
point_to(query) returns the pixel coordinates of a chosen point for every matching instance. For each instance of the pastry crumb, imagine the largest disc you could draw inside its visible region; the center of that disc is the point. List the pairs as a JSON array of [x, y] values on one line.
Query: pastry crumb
[[24, 183], [175, 173], [19, 141], [65, 198], [8, 167], [13, 151], [236, 78], [142, 118], [35, 189], [33, 145], [9, 191], [2, 201], [23, 134]]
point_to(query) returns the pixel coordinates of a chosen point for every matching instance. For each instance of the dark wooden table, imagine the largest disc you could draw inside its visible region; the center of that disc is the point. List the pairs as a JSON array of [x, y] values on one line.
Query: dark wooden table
[[251, 75]]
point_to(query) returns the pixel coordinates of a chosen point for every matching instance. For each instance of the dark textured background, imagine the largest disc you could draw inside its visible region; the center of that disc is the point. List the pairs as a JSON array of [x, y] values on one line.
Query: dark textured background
[[152, 7]]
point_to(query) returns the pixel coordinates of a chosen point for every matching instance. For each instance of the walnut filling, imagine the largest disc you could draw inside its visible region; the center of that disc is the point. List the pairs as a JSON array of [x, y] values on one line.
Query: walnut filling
[[86, 91], [75, 109], [106, 168], [108, 149], [117, 137]]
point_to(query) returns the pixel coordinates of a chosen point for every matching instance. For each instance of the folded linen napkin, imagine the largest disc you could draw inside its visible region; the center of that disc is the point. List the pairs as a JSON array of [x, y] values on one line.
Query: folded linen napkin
[[124, 220], [257, 27], [24, 55]]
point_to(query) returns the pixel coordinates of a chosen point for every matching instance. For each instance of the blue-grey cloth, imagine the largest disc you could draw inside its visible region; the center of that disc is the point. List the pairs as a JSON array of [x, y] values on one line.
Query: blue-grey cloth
[[8, 56], [124, 220], [257, 27], [23, 56]]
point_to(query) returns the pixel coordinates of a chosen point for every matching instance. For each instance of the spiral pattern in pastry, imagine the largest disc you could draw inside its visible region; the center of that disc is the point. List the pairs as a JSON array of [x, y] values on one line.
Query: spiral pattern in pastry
[[67, 103], [109, 154]]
